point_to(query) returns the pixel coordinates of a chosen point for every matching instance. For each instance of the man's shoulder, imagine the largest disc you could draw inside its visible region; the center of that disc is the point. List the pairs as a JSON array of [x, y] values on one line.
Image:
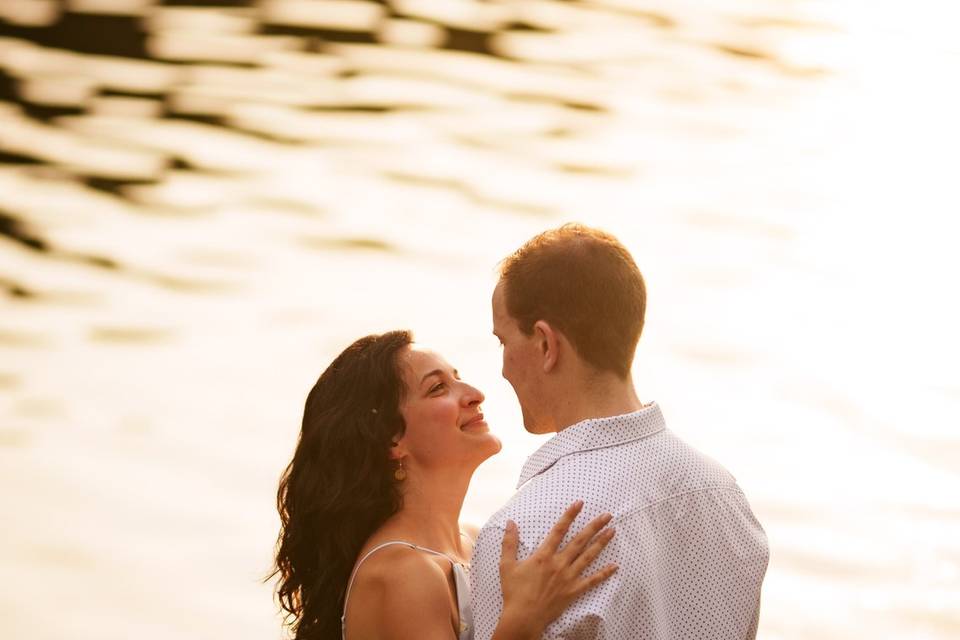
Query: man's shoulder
[[618, 479], [536, 507]]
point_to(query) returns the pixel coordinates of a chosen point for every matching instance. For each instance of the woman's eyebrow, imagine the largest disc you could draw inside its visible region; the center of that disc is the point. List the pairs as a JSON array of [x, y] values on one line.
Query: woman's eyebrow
[[435, 372], [438, 372]]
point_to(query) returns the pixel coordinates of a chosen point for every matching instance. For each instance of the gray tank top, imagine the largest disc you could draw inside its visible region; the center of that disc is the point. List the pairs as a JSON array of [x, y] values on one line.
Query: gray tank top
[[460, 578]]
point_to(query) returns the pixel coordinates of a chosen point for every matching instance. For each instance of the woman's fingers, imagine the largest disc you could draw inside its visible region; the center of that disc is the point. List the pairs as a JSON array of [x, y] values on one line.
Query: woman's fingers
[[595, 578], [597, 544], [582, 539], [552, 542], [508, 549], [548, 581]]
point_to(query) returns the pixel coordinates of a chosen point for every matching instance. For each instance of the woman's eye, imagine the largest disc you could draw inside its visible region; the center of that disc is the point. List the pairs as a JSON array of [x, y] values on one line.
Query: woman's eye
[[436, 387]]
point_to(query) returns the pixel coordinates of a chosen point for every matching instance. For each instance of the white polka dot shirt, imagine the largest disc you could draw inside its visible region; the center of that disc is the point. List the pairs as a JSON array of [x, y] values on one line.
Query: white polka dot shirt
[[692, 556]]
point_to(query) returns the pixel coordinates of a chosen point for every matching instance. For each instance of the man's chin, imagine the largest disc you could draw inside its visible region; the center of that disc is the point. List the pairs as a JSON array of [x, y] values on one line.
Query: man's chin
[[533, 426], [528, 423]]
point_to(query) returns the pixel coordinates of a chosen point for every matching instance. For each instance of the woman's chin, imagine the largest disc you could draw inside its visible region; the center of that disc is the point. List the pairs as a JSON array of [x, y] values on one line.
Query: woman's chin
[[486, 447], [495, 446]]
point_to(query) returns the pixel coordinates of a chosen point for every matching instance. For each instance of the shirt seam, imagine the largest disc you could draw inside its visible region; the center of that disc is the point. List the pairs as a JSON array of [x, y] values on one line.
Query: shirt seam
[[651, 505], [639, 510]]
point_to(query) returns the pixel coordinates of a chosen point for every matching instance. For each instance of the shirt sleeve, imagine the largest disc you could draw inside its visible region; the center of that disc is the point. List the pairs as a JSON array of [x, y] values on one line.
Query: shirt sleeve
[[708, 568], [712, 565]]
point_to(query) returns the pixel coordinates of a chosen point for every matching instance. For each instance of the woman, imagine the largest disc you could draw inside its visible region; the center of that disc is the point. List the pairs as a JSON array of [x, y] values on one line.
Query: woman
[[370, 545]]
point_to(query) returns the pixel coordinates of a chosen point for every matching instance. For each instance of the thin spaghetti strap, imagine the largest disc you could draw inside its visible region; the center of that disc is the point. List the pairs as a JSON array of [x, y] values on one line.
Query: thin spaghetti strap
[[353, 575]]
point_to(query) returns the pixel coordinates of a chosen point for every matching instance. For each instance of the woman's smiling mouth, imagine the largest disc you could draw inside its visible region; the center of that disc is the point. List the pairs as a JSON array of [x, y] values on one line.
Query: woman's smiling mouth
[[474, 422]]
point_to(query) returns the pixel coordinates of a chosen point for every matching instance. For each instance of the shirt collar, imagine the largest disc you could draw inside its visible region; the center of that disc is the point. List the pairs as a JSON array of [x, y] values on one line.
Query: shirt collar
[[594, 433]]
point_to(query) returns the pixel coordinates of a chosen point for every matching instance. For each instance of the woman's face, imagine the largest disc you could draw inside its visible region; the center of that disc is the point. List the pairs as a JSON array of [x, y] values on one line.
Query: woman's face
[[445, 426]]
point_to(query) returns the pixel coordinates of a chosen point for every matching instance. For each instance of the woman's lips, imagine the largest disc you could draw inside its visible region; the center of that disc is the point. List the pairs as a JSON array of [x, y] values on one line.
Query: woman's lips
[[475, 421]]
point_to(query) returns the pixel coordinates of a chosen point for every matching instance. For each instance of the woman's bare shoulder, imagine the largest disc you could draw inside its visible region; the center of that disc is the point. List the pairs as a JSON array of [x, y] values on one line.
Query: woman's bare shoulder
[[400, 566], [397, 580]]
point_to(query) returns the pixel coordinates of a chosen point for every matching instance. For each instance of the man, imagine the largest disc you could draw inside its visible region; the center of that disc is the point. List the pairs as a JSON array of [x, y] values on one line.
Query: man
[[568, 310]]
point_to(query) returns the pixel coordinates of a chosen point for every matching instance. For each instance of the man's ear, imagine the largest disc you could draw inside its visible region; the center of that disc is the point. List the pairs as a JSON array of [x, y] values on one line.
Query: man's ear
[[548, 342]]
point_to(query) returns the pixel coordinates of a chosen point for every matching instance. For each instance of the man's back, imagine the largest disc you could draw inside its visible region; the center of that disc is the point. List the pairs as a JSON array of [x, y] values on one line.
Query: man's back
[[691, 554]]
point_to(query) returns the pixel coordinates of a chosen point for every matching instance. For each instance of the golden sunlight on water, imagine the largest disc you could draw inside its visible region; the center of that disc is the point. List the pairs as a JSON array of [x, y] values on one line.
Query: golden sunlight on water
[[200, 206]]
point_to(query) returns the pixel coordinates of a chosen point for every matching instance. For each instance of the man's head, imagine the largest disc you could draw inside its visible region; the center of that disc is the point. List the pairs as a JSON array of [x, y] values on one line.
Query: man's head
[[573, 290]]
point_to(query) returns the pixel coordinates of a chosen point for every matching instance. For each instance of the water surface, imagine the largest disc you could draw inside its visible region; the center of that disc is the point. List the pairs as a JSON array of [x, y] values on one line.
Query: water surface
[[201, 205]]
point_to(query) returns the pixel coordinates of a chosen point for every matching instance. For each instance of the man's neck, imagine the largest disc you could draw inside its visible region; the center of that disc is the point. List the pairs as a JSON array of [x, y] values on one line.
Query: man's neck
[[600, 396]]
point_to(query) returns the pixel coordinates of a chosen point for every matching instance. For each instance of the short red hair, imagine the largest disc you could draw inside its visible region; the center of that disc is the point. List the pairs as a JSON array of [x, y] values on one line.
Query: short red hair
[[583, 282]]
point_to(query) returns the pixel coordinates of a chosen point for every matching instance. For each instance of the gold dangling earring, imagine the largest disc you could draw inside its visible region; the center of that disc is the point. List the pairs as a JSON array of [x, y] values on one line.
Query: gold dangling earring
[[400, 474]]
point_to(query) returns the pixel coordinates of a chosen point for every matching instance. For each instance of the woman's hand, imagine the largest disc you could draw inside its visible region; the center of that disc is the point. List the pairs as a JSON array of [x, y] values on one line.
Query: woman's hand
[[537, 590]]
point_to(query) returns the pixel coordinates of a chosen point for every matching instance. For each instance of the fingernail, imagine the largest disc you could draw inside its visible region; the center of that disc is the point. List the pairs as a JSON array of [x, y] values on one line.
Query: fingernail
[[511, 525], [578, 503], [607, 517]]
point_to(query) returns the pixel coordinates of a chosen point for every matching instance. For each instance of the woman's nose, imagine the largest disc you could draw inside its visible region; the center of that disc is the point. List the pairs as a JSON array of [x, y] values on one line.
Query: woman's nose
[[472, 395]]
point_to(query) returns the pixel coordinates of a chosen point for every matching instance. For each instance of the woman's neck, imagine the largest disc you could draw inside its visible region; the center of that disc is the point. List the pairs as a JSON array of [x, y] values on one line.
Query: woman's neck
[[430, 515]]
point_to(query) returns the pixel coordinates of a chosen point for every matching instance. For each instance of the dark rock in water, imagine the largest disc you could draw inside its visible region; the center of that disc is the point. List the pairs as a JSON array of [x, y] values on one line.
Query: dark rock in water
[[15, 158], [20, 31], [47, 112], [118, 93], [202, 118], [584, 106], [18, 291], [110, 35], [358, 108], [466, 40], [99, 261], [312, 34], [206, 3], [112, 185], [16, 230], [519, 25], [179, 164], [8, 87]]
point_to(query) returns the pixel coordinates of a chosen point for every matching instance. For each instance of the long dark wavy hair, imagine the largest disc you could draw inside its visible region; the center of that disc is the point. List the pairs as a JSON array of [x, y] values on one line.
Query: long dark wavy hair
[[339, 487]]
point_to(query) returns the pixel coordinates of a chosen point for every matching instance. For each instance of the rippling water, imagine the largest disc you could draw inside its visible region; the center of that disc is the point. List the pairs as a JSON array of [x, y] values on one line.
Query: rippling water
[[201, 205]]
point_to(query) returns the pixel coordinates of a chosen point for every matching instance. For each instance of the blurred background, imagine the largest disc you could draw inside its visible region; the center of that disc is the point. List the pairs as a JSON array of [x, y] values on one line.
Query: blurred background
[[202, 203]]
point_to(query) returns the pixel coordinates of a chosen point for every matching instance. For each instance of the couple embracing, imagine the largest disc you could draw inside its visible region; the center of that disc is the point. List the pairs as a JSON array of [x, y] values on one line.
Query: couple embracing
[[618, 530]]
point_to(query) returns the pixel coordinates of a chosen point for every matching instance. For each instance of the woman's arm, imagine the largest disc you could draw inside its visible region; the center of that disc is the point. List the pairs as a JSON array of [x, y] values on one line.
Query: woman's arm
[[537, 590], [415, 600]]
